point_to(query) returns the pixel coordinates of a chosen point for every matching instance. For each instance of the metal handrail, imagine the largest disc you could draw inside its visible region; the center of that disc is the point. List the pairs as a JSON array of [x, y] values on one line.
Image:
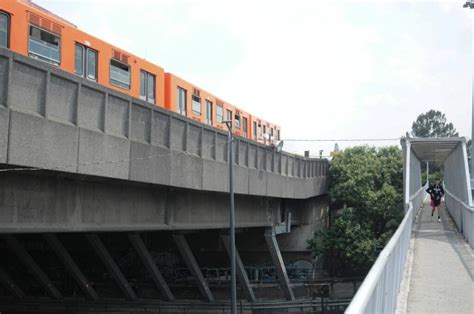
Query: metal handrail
[[463, 216], [379, 290], [470, 208]]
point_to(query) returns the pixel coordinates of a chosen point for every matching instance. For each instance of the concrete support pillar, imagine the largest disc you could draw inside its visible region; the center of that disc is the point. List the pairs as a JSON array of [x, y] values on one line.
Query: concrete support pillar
[[241, 273], [111, 266], [272, 243], [10, 285], [150, 265], [30, 263], [190, 261], [71, 266]]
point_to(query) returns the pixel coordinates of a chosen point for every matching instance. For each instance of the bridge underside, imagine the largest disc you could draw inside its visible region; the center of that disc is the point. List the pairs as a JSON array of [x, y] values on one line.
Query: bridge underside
[[60, 270], [98, 242]]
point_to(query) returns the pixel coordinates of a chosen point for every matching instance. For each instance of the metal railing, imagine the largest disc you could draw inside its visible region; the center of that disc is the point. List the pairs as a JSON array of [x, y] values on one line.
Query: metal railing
[[379, 290], [462, 214]]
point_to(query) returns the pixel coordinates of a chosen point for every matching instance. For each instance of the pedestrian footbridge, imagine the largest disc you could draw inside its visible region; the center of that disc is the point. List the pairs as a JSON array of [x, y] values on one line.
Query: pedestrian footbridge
[[427, 266]]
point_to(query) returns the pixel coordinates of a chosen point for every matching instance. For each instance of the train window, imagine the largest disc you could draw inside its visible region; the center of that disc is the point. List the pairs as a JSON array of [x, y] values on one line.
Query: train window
[[220, 114], [229, 116], [259, 130], [181, 101], [254, 130], [119, 74], [91, 64], [264, 129], [4, 30], [196, 105], [208, 112], [244, 126], [79, 60], [143, 85], [278, 135], [44, 45], [147, 86], [85, 62], [237, 121]]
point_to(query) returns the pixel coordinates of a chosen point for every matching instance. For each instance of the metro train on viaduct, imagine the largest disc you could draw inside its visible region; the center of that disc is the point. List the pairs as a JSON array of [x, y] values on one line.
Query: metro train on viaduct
[[33, 31]]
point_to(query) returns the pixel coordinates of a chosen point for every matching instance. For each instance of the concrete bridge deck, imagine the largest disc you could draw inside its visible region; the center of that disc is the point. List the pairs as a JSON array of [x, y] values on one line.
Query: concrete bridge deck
[[439, 277]]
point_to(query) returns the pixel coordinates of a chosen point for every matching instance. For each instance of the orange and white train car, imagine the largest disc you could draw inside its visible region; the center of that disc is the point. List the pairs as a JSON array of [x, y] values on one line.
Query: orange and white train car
[[200, 105], [33, 31]]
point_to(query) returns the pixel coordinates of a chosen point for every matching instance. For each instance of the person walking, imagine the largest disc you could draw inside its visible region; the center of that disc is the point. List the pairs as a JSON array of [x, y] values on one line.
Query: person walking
[[436, 192]]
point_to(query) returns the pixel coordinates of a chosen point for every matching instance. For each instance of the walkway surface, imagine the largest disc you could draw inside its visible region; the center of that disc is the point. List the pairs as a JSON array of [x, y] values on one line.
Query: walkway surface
[[440, 268]]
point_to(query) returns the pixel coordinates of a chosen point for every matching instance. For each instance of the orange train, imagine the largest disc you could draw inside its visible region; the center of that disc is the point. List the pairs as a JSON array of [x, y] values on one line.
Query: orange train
[[33, 31]]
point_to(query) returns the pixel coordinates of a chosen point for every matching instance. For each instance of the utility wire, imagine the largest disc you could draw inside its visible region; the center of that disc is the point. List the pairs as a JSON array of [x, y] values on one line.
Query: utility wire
[[343, 140]]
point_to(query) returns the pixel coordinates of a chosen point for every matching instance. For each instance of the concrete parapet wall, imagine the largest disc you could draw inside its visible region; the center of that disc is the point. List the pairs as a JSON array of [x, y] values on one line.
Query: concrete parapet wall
[[54, 120]]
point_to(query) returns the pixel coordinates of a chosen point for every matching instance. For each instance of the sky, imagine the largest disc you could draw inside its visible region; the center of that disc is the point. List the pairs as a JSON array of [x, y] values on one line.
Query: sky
[[325, 69]]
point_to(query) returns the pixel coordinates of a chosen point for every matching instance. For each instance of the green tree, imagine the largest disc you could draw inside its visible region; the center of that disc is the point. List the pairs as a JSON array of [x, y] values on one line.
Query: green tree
[[433, 124], [348, 243], [368, 183], [371, 182]]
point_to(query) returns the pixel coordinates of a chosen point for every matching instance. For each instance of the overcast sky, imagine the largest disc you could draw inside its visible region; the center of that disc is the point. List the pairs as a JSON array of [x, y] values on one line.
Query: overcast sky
[[321, 69]]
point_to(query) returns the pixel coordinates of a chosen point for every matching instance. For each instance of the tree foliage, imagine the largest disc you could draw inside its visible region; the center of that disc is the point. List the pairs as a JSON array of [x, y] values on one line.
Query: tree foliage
[[368, 183], [433, 124], [348, 242]]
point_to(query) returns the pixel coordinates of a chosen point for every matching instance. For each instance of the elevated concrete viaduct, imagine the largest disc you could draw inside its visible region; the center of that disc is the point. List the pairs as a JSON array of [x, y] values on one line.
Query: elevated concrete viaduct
[[106, 197]]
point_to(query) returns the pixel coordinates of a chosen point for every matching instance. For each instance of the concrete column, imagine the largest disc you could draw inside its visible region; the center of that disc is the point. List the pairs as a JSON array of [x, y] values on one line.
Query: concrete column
[[71, 266], [272, 243], [9, 82], [44, 110], [111, 266], [150, 265], [241, 273], [30, 263], [190, 261], [10, 285]]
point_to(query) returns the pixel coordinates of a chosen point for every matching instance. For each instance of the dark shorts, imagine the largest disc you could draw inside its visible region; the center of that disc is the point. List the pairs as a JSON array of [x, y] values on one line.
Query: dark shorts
[[435, 202]]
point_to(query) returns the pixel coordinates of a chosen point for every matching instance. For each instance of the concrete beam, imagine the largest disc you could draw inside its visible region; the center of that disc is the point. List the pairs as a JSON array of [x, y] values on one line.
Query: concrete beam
[[190, 261], [150, 265], [111, 266], [272, 243], [30, 263], [9, 284], [241, 273], [71, 266]]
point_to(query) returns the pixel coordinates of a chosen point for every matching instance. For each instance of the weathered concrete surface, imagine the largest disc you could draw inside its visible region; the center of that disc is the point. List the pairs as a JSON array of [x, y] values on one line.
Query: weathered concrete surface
[[51, 202], [312, 215], [441, 279], [4, 126], [54, 120]]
